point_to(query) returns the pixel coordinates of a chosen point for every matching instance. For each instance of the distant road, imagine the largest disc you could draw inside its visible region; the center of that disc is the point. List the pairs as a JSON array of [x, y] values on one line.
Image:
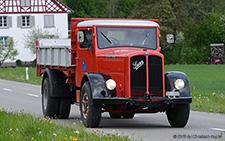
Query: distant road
[[201, 126]]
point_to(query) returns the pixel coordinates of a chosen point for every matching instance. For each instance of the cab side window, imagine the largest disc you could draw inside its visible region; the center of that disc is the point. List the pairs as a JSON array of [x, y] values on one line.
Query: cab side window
[[87, 43]]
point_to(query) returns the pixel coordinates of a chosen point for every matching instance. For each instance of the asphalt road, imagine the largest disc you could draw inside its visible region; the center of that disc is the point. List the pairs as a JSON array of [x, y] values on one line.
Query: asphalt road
[[16, 96]]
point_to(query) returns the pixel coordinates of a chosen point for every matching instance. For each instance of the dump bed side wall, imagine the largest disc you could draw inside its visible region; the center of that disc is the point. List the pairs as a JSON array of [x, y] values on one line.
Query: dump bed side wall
[[54, 52]]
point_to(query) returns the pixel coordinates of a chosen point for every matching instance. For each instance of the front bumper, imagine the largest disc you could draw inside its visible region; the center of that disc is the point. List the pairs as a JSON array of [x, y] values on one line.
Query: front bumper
[[142, 102]]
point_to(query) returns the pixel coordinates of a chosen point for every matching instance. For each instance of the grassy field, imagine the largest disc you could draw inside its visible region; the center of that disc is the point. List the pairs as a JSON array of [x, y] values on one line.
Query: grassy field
[[207, 83], [207, 86], [25, 127]]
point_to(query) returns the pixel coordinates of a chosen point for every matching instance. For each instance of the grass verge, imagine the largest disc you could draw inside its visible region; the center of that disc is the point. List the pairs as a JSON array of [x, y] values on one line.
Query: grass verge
[[19, 74], [23, 127]]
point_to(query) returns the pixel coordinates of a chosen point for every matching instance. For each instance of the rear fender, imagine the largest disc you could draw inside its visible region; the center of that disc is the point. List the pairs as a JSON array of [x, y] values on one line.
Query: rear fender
[[58, 85], [170, 77], [49, 74]]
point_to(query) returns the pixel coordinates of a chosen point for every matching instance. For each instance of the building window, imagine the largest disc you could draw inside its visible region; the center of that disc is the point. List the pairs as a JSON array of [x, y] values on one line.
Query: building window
[[49, 21], [3, 21], [25, 3], [3, 41], [25, 21]]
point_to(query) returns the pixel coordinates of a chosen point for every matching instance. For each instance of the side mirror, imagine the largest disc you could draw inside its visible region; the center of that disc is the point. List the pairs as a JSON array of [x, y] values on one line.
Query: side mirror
[[80, 36], [170, 38]]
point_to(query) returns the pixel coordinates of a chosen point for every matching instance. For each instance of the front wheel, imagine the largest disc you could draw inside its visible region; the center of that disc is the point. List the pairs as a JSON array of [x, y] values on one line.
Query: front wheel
[[90, 113], [178, 115]]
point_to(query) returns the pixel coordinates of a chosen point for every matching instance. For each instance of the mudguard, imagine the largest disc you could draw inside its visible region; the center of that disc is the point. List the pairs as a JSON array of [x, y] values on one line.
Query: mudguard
[[170, 77], [47, 73], [58, 85], [98, 86]]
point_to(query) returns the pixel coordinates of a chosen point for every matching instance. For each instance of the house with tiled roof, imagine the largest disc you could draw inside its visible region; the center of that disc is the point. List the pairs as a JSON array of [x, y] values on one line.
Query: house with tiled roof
[[18, 17]]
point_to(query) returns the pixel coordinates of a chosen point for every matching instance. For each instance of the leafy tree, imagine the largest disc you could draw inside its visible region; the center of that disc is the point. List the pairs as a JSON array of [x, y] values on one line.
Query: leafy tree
[[211, 30], [124, 8], [162, 10], [101, 8], [202, 34], [82, 8], [112, 8], [33, 35], [8, 51]]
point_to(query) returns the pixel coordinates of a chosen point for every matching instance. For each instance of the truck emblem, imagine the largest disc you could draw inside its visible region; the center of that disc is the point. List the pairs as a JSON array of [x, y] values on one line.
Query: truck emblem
[[84, 65], [146, 53], [136, 65]]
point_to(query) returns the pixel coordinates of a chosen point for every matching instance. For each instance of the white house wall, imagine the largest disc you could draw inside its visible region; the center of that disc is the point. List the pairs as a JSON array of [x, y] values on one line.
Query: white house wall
[[18, 34]]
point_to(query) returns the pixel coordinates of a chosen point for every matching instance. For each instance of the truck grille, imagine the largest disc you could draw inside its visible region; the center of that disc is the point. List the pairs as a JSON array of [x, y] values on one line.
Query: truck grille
[[138, 75], [155, 75]]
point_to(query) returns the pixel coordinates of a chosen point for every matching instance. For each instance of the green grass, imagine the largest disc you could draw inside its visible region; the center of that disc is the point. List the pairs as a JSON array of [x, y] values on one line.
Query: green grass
[[207, 84], [19, 74], [24, 127]]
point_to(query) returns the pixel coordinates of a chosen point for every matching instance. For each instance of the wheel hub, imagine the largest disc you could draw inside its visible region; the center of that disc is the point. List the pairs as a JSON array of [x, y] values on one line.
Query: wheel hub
[[85, 105]]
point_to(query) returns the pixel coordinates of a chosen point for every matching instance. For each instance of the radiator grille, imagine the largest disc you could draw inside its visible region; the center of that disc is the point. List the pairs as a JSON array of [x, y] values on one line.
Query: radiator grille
[[155, 75], [138, 75]]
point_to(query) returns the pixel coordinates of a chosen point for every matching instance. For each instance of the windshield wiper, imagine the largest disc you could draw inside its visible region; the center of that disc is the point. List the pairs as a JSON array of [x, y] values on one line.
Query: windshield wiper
[[143, 42], [107, 38]]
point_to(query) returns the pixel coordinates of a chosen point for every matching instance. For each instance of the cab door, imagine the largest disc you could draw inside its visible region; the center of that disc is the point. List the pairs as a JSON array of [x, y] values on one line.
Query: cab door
[[85, 54]]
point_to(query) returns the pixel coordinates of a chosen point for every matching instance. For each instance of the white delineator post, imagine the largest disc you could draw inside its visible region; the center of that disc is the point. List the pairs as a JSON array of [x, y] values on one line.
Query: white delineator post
[[27, 74]]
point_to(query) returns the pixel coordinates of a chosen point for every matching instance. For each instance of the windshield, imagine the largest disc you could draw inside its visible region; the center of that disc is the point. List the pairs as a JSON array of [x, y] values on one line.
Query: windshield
[[126, 37]]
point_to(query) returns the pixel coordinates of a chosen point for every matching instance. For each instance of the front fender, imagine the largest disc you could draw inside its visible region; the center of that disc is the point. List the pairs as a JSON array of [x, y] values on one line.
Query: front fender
[[170, 77], [98, 86]]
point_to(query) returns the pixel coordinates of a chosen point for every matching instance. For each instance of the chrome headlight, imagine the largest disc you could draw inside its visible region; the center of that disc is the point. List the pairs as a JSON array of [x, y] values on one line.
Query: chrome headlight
[[110, 84], [179, 84]]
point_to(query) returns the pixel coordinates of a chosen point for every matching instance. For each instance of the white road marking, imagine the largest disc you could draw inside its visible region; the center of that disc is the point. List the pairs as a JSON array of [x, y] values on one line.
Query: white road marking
[[5, 89], [34, 95], [218, 129]]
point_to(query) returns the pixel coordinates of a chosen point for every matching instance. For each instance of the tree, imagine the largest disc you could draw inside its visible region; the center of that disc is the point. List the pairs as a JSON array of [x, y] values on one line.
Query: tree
[[124, 8], [101, 8], [82, 8], [7, 51], [161, 10], [33, 35], [211, 30], [202, 34]]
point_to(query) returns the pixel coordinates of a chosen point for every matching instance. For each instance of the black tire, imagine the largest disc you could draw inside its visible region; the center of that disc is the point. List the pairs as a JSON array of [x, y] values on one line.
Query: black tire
[[128, 116], [115, 115], [64, 108], [90, 113], [49, 104], [178, 115]]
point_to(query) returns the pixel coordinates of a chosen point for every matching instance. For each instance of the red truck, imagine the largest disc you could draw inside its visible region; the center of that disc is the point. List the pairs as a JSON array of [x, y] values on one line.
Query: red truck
[[110, 65]]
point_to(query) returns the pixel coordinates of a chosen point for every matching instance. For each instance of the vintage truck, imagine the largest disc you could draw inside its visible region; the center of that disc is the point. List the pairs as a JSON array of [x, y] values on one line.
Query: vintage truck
[[114, 66]]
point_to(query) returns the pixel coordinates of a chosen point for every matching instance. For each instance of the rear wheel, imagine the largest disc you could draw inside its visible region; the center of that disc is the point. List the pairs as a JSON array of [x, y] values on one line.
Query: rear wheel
[[90, 113], [64, 108], [178, 115], [49, 104]]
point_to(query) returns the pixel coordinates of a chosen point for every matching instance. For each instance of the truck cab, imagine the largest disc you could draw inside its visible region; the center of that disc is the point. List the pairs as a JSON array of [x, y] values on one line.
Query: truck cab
[[117, 67]]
